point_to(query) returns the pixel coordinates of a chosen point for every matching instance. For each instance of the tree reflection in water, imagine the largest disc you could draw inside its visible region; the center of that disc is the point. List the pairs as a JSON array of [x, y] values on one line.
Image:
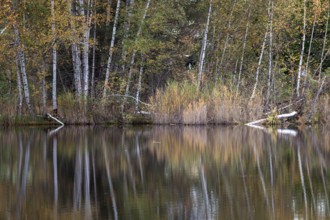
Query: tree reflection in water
[[165, 172]]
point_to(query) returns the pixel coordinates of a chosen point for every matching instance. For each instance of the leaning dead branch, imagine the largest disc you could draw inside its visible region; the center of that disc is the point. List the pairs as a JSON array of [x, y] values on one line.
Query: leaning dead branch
[[55, 119], [288, 115]]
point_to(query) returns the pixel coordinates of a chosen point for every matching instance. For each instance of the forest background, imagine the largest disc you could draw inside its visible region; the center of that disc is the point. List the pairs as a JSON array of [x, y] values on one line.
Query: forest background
[[164, 61]]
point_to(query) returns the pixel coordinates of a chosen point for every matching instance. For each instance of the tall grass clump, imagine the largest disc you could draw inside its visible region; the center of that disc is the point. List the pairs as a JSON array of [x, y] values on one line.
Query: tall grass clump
[[183, 103]]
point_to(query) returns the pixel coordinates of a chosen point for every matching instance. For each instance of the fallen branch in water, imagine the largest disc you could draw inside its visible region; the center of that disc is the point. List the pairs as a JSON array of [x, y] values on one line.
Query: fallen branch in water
[[55, 119], [288, 115]]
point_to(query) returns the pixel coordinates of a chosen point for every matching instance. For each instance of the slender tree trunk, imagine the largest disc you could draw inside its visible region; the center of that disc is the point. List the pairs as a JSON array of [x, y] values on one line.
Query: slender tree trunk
[[21, 58], [77, 68], [130, 72], [203, 50], [86, 36], [112, 43], [324, 44], [259, 65], [44, 89], [19, 88], [54, 61], [302, 51], [308, 55], [243, 52], [139, 87], [270, 53], [76, 61], [227, 39]]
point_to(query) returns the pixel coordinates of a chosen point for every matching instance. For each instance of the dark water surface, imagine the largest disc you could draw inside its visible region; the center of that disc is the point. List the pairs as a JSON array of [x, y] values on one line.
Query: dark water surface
[[165, 172]]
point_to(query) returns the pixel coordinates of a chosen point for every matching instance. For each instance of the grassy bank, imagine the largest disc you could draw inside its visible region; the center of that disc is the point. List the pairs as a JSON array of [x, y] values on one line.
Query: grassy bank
[[177, 103]]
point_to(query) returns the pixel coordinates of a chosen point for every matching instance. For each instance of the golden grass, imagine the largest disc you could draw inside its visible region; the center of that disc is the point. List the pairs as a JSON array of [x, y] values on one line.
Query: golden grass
[[183, 103]]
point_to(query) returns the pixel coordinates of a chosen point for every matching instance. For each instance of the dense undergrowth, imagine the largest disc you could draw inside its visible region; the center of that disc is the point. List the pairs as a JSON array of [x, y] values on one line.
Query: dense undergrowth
[[177, 103], [183, 103]]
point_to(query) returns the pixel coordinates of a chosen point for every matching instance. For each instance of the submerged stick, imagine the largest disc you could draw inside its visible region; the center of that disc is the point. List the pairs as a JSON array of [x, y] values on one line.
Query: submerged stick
[[55, 119]]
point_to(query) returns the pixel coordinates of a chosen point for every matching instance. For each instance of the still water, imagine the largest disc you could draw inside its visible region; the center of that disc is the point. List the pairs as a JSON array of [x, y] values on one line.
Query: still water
[[166, 172]]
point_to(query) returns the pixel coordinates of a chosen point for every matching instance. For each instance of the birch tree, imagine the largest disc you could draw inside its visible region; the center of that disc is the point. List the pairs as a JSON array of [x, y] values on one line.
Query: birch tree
[[76, 61], [302, 50], [21, 58], [112, 43], [19, 87], [139, 86], [203, 49], [309, 53], [86, 35], [270, 53], [130, 72], [54, 60], [259, 65]]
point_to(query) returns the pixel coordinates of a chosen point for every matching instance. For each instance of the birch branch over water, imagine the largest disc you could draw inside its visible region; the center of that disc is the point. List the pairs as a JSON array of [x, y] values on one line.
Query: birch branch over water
[[55, 119], [288, 115]]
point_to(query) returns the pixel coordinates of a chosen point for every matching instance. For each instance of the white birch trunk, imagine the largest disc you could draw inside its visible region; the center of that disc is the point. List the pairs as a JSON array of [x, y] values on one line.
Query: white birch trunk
[[130, 72], [139, 88], [77, 68], [270, 65], [308, 55], [86, 35], [259, 65], [243, 52], [54, 61], [302, 51], [76, 61], [19, 88], [112, 43], [202, 54], [44, 90], [93, 63], [21, 59]]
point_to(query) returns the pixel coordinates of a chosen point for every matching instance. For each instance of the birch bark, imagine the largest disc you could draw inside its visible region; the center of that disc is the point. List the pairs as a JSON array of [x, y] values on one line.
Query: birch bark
[[309, 53], [21, 59], [54, 61], [19, 88], [112, 43], [139, 87], [270, 53], [202, 54], [259, 65], [302, 51]]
